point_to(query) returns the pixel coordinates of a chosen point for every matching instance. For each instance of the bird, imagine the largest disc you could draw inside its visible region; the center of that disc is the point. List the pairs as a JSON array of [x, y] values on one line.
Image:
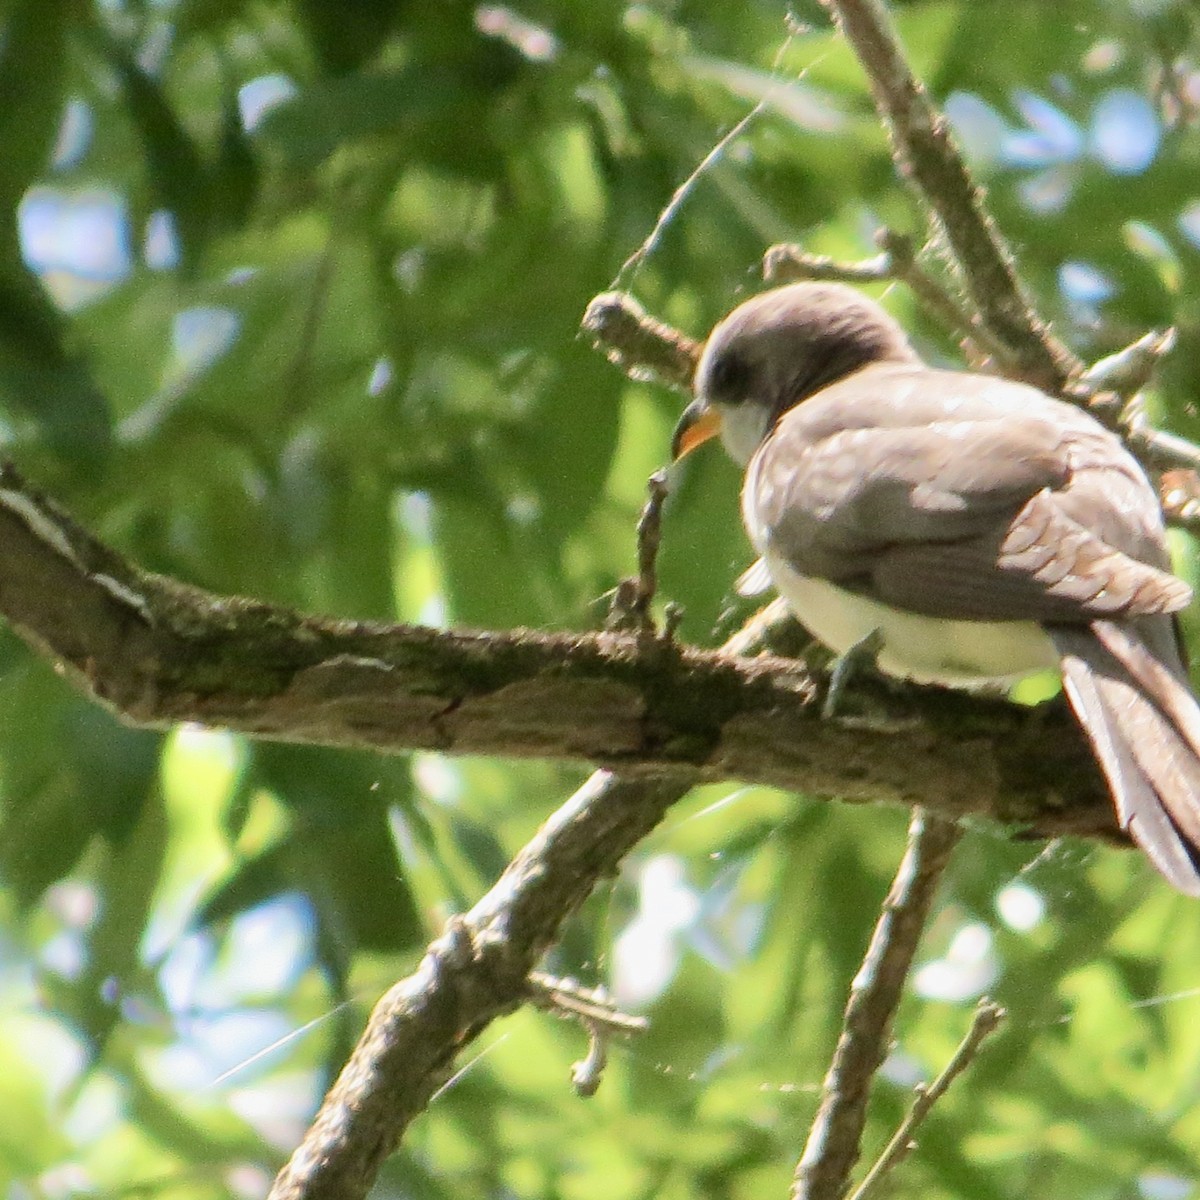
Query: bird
[[975, 529]]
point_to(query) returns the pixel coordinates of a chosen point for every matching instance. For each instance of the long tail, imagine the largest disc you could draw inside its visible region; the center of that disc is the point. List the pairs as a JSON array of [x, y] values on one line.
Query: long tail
[[1129, 690]]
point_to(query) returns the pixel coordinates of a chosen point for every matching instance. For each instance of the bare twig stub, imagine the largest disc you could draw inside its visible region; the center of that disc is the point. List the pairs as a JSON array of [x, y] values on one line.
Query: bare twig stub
[[567, 998], [833, 1146], [649, 538], [985, 1022], [630, 608], [1131, 368], [644, 347]]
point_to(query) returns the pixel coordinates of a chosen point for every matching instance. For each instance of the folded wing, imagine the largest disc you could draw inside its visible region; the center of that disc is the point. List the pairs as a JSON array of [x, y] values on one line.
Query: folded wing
[[960, 496]]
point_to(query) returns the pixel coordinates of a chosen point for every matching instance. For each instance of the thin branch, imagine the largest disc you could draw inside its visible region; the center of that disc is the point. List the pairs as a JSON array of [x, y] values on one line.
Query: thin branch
[[986, 1021], [478, 970], [566, 998], [925, 154], [1127, 371], [159, 652], [587, 1072], [1160, 448], [898, 260], [630, 611], [681, 193], [833, 1146], [649, 539], [787, 262]]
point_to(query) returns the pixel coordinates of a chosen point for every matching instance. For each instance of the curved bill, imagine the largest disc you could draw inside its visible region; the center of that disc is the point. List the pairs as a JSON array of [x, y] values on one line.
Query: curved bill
[[698, 422]]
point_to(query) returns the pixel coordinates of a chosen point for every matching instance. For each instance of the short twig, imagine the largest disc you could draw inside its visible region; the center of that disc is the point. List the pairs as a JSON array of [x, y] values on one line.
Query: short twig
[[643, 347], [672, 619], [986, 1021], [588, 1071], [630, 609], [834, 1141], [1159, 447], [787, 262], [1129, 370], [567, 998], [649, 539], [592, 1008]]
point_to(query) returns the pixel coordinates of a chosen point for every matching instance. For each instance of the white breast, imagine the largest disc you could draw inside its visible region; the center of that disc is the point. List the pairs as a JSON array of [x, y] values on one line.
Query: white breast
[[926, 649]]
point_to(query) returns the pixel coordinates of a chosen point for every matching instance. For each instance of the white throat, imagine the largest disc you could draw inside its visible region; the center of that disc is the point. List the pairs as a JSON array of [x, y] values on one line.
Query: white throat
[[743, 427]]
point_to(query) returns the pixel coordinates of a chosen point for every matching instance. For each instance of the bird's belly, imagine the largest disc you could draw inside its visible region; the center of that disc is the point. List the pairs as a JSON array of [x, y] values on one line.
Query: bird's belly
[[926, 649]]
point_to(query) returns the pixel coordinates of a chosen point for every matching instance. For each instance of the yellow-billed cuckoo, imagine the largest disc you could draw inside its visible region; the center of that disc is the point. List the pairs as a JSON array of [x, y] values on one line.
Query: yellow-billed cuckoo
[[981, 529]]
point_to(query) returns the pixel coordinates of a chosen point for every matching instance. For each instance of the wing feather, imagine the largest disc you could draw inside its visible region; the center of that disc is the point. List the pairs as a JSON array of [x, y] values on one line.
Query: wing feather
[[961, 496]]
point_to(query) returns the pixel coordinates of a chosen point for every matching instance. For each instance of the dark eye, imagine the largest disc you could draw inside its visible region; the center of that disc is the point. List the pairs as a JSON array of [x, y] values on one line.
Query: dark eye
[[729, 379]]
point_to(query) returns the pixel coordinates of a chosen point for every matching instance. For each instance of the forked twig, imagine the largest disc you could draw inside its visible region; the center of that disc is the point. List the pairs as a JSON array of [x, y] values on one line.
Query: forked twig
[[630, 609]]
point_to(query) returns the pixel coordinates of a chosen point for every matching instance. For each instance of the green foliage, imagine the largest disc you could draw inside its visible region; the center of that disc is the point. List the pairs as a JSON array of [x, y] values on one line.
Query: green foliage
[[293, 313]]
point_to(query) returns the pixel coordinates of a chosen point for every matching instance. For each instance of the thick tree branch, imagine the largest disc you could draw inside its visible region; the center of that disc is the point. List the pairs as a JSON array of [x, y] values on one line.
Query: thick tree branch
[[477, 971], [157, 652]]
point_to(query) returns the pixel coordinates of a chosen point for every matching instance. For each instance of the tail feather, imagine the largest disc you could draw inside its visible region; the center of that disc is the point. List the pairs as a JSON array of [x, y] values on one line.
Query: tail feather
[[1129, 691]]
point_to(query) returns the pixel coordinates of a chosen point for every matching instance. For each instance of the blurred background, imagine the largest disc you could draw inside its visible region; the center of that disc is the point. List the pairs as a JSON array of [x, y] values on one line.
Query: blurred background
[[289, 300]]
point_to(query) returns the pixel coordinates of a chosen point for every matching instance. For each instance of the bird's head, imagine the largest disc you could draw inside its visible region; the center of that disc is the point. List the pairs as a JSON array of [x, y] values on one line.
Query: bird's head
[[776, 350]]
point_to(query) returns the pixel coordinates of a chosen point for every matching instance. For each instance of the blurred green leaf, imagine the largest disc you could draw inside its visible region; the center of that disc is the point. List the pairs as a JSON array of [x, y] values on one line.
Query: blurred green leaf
[[177, 175], [340, 851], [33, 61]]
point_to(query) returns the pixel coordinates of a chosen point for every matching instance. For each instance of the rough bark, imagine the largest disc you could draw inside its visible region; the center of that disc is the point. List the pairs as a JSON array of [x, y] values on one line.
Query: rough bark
[[157, 652]]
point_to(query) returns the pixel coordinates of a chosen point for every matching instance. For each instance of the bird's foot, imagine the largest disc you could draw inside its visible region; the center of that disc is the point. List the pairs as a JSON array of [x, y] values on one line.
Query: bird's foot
[[862, 653]]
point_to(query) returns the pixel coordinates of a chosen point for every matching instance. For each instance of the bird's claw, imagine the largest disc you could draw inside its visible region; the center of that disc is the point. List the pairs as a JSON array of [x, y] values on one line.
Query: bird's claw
[[862, 653]]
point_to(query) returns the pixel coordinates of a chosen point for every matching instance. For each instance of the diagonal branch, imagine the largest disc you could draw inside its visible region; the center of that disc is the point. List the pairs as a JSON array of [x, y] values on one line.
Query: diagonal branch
[[898, 260], [988, 1018], [477, 971], [925, 154], [832, 1149]]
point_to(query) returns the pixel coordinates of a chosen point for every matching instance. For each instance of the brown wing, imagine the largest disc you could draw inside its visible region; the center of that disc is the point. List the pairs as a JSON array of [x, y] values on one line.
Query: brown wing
[[962, 496]]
